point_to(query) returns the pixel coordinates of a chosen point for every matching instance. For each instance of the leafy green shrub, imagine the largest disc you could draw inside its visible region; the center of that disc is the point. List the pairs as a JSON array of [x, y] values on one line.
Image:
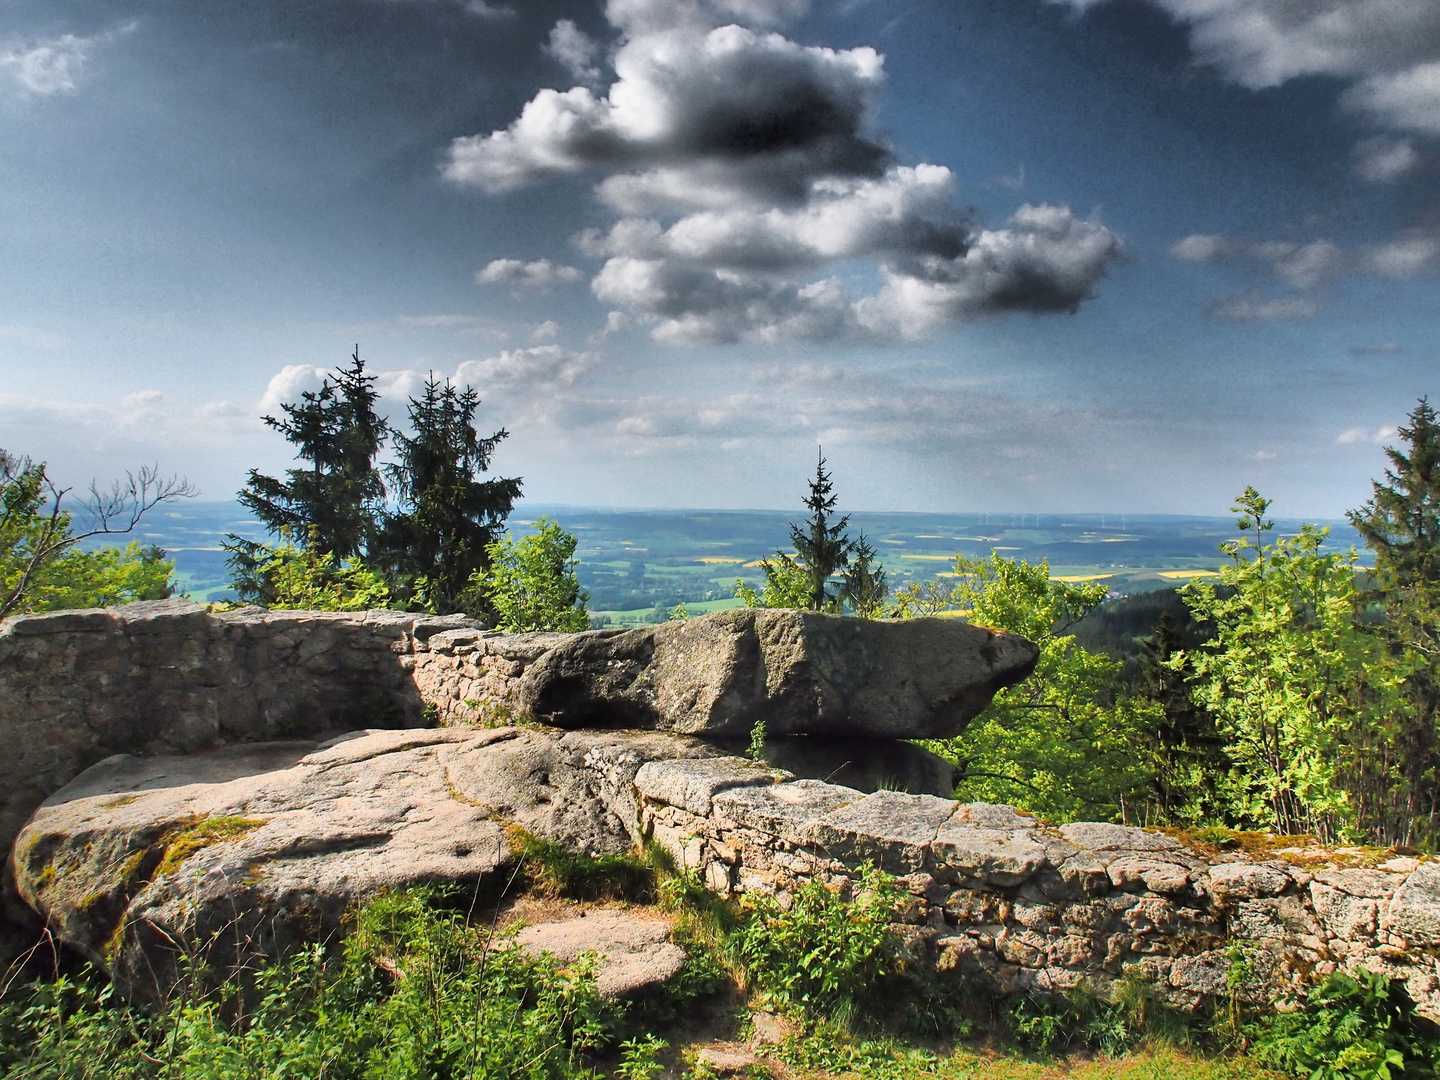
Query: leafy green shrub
[[825, 955], [1354, 1025], [415, 993]]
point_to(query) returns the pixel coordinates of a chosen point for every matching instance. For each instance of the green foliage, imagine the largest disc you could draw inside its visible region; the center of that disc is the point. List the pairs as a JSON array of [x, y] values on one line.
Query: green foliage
[[1354, 1026], [306, 578], [440, 537], [532, 585], [759, 732], [1290, 675], [1062, 742], [416, 993], [102, 578], [42, 567], [1130, 1015], [825, 955]]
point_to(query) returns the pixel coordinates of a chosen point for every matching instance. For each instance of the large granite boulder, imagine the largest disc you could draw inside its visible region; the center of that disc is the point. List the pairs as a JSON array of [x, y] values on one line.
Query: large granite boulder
[[795, 672], [252, 850]]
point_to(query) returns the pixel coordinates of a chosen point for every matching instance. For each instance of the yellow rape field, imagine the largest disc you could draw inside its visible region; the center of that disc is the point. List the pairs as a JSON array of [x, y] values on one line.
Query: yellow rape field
[[1185, 575]]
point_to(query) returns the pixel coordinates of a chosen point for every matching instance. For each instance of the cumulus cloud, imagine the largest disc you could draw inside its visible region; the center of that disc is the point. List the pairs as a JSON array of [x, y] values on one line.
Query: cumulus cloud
[[1044, 260], [744, 170], [1252, 307], [47, 67], [1382, 160], [576, 50], [539, 274], [548, 330], [734, 110]]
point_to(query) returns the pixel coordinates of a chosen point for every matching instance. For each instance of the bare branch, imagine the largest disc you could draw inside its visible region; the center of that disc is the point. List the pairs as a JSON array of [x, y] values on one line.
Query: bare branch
[[120, 509]]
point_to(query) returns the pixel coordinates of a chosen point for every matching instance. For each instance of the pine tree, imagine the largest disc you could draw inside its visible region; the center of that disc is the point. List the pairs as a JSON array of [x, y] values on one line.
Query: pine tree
[[333, 504], [822, 544], [447, 518]]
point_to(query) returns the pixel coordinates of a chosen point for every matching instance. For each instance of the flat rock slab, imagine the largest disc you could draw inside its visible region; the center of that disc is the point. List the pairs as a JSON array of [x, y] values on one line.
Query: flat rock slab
[[252, 850], [634, 948], [794, 672]]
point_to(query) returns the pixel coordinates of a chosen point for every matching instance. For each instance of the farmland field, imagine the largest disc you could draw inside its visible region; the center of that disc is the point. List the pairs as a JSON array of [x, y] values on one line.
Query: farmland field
[[638, 564]]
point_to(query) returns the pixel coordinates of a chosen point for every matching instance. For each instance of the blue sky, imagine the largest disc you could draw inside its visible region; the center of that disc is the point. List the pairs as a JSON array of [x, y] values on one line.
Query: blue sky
[[1024, 255]]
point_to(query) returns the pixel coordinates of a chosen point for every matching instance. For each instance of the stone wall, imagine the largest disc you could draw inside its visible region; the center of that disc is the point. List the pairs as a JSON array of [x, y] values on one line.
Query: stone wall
[[170, 677], [998, 895]]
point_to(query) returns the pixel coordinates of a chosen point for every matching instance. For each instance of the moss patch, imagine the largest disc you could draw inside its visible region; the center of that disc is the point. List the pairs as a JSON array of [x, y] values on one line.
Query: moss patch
[[185, 840]]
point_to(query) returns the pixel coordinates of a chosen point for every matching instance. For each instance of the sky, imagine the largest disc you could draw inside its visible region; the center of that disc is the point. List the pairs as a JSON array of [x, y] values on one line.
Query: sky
[[992, 255]]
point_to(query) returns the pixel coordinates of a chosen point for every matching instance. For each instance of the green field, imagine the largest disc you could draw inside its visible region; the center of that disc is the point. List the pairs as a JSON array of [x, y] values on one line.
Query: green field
[[639, 564]]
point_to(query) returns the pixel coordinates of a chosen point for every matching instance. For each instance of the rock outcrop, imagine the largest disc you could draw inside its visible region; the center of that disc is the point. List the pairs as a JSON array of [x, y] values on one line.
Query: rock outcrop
[[169, 677], [251, 850], [794, 672], [258, 848]]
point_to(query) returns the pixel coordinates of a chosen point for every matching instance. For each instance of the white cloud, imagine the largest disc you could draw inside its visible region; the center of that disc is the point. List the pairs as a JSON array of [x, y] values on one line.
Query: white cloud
[[539, 274], [615, 322], [730, 108], [542, 367], [576, 50], [1406, 255], [548, 330], [1382, 348], [1382, 160], [286, 386], [1201, 248], [47, 67], [1355, 435], [1407, 100], [1252, 307]]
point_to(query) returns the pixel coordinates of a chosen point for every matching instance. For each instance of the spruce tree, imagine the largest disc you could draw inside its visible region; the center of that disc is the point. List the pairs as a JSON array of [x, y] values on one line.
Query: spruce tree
[[1401, 522], [333, 504], [447, 517], [822, 550], [1398, 780]]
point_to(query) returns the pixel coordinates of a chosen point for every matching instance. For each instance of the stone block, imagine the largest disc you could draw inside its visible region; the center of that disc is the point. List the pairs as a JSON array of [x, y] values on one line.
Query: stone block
[[691, 784], [892, 829]]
